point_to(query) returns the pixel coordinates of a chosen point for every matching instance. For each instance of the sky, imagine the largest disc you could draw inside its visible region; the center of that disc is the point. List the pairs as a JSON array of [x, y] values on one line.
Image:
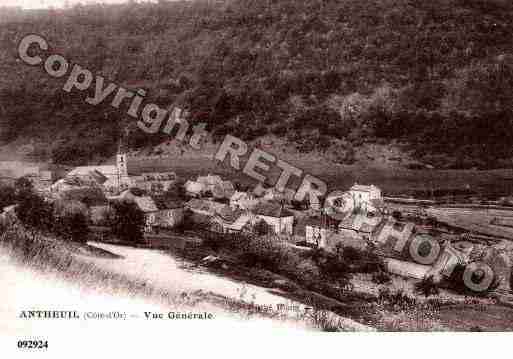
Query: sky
[[39, 4]]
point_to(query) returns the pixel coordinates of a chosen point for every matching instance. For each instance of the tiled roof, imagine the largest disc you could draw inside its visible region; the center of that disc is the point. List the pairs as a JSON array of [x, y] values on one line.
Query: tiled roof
[[228, 214], [272, 209], [194, 187], [204, 205], [107, 170], [240, 222], [145, 204], [210, 180], [163, 202], [223, 189], [287, 194]]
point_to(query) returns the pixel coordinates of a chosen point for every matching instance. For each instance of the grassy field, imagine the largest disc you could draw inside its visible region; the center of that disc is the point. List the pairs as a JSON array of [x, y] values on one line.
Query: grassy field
[[395, 181]]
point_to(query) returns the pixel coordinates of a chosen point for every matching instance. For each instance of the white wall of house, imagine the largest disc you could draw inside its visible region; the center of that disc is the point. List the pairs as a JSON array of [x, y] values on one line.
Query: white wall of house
[[364, 194], [360, 196], [151, 218], [170, 218], [167, 218], [315, 235]]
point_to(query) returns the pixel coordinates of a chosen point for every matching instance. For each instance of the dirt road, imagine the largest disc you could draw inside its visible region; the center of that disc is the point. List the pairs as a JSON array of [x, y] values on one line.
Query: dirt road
[[167, 272]]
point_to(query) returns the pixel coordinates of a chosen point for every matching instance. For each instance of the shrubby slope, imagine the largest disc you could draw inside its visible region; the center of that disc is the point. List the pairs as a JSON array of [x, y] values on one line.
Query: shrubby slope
[[436, 75]]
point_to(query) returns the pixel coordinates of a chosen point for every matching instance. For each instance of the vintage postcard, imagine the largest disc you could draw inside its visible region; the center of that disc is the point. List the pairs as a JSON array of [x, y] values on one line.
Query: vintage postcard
[[180, 176]]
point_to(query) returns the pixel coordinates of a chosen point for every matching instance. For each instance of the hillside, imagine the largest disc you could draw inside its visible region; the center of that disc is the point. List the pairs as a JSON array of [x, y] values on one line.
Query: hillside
[[434, 77]]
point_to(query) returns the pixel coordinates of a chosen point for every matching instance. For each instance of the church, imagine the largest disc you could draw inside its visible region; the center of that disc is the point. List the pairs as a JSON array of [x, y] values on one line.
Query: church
[[151, 173]]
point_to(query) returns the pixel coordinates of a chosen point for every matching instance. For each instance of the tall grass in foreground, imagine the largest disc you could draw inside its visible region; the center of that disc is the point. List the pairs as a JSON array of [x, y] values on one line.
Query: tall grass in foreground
[[50, 256]]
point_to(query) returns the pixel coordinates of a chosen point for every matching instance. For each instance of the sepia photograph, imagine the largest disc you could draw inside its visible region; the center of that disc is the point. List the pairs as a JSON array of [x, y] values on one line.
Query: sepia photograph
[[185, 177]]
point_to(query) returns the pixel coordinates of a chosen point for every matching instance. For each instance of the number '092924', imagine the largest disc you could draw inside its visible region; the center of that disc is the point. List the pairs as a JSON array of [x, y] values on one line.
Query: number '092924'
[[32, 344]]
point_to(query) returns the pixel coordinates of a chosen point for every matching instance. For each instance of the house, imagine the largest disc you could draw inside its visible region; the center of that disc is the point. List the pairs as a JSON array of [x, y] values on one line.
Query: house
[[363, 195], [227, 220], [194, 189], [106, 175], [359, 226], [272, 194], [40, 175], [322, 232], [150, 210], [91, 179], [209, 181], [156, 182], [219, 217], [170, 212], [204, 206], [315, 232], [223, 190], [159, 211], [243, 200], [276, 216]]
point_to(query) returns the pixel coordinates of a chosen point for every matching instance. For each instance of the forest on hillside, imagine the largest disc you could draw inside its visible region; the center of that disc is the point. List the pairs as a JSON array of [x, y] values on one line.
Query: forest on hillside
[[436, 76]]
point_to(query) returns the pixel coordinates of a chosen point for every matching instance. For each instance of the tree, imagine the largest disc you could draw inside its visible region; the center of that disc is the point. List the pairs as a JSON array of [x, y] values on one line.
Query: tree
[[71, 221], [427, 286], [7, 196], [262, 228], [128, 221], [72, 226], [176, 190], [35, 213], [23, 186]]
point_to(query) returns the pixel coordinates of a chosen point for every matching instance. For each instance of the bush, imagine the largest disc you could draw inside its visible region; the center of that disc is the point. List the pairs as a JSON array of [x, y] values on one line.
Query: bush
[[361, 261], [34, 212], [71, 220], [266, 252], [332, 267], [23, 186], [427, 287], [72, 226], [262, 228], [7, 196], [397, 300]]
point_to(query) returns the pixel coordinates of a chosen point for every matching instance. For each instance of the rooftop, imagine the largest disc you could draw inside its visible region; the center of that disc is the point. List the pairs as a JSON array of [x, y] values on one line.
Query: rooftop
[[363, 188], [272, 209]]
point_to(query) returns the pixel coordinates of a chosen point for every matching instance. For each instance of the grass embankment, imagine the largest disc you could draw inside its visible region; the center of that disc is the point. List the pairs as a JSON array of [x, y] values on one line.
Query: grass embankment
[[70, 262], [49, 255]]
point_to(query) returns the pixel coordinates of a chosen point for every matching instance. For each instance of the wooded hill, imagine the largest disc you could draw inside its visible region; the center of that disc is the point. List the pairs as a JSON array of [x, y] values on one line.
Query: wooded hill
[[436, 75]]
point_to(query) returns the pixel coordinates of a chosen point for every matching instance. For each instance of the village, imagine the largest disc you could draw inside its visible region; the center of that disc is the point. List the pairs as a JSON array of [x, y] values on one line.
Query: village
[[366, 219]]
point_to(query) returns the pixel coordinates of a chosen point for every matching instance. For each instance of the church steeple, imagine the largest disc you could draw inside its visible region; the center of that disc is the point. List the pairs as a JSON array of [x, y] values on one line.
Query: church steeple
[[122, 157]]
